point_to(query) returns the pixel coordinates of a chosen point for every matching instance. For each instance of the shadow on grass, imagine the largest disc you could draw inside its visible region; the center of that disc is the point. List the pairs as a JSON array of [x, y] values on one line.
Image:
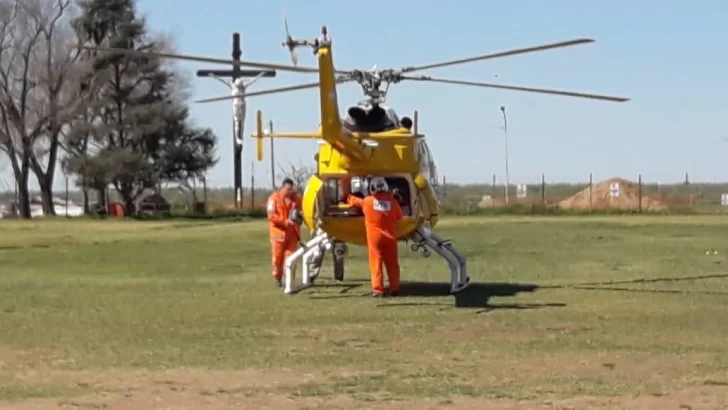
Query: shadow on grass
[[477, 295], [610, 285]]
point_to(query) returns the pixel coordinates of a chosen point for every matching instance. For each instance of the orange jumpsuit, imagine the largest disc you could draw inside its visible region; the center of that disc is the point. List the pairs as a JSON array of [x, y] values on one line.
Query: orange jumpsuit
[[284, 235], [381, 215]]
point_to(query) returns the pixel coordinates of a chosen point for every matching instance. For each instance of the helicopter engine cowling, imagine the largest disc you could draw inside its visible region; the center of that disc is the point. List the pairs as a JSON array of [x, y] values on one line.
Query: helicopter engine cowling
[[369, 118]]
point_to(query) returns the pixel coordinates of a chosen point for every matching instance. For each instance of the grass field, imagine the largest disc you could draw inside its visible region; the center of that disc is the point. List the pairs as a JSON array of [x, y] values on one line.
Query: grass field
[[621, 312]]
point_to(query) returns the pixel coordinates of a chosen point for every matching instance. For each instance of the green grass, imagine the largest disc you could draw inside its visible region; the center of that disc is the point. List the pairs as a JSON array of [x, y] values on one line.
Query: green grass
[[618, 309]]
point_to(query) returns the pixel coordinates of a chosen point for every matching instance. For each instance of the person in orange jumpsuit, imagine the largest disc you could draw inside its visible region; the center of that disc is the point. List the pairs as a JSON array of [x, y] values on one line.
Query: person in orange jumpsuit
[[284, 215], [381, 215]]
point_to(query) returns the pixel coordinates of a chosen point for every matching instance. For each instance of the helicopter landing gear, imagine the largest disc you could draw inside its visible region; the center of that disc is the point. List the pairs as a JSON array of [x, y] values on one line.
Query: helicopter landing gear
[[339, 251], [314, 263], [424, 240], [312, 254], [420, 247]]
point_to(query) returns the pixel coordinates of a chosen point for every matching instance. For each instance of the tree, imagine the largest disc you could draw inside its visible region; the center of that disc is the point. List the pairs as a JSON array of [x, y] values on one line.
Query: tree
[[139, 135], [186, 160], [40, 92], [299, 174]]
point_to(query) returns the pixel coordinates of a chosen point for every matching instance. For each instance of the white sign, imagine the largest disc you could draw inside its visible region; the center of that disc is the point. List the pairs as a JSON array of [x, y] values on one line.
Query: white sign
[[724, 199], [521, 191], [614, 190]]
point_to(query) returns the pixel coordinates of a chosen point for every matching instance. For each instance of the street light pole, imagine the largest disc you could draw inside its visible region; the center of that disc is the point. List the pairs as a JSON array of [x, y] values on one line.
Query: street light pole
[[505, 133], [272, 161]]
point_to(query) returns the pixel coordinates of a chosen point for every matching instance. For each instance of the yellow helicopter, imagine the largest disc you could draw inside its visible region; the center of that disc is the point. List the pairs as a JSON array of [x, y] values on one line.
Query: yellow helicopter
[[372, 140]]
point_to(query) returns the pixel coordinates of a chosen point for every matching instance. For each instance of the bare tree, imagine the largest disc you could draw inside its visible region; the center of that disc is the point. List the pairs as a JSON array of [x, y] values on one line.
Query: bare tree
[[40, 89], [299, 174], [189, 187]]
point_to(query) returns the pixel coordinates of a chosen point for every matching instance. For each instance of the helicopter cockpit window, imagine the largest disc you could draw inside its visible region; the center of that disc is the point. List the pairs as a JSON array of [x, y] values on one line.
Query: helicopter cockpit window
[[432, 168], [424, 159], [393, 117]]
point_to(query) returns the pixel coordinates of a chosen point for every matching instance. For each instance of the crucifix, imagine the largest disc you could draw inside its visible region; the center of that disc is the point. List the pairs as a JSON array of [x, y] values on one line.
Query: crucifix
[[237, 85]]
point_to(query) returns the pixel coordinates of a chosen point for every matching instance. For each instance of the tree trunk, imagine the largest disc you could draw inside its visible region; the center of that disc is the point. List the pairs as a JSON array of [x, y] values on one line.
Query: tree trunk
[[21, 171], [128, 195], [45, 178], [129, 205], [24, 197], [86, 209], [101, 196], [46, 197]]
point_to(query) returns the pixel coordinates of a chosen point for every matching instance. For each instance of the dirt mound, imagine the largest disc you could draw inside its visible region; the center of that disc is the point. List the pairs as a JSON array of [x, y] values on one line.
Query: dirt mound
[[614, 193], [489, 202]]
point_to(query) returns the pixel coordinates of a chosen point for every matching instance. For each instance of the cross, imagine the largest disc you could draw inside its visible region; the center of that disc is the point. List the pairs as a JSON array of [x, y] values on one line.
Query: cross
[[237, 85]]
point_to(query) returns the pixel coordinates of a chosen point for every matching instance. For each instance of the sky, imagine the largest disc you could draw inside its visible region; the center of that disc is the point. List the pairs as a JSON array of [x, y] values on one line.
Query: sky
[[668, 56]]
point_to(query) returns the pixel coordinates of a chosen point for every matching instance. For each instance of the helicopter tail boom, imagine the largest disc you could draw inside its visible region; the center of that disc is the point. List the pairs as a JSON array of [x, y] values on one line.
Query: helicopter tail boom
[[331, 128]]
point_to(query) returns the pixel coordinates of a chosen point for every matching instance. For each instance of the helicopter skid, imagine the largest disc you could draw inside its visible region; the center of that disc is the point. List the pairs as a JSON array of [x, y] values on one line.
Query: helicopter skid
[[425, 240], [311, 254]]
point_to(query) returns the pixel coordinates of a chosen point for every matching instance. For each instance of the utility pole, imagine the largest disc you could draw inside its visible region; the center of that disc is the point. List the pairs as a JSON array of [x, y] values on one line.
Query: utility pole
[[272, 160], [238, 123], [252, 185], [505, 133]]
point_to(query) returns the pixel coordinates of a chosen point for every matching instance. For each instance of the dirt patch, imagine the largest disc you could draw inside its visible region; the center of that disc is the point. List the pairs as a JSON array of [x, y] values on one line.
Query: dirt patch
[[613, 194], [489, 202], [186, 397], [276, 389]]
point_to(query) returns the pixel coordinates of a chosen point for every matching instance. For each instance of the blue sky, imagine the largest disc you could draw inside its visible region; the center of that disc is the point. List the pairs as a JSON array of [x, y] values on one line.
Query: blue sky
[[668, 56]]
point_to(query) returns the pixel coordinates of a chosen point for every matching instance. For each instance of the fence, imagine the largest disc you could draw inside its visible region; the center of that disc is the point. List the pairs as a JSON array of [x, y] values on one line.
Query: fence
[[614, 193], [623, 194]]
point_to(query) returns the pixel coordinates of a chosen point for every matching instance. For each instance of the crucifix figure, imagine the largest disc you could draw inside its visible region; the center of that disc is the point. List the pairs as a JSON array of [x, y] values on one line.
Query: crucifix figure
[[238, 89], [237, 85]]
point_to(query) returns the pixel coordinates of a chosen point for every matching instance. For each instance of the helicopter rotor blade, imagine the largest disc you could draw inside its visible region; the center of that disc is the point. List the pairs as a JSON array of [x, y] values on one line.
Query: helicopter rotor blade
[[499, 54], [294, 57], [285, 23], [289, 41], [518, 88], [254, 64], [262, 92]]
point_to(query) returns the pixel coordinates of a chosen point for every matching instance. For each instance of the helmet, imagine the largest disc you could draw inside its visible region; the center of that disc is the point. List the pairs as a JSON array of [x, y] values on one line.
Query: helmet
[[378, 184]]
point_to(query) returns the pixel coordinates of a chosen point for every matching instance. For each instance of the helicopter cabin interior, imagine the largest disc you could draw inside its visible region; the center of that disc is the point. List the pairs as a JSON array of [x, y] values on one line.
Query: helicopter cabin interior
[[336, 189]]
